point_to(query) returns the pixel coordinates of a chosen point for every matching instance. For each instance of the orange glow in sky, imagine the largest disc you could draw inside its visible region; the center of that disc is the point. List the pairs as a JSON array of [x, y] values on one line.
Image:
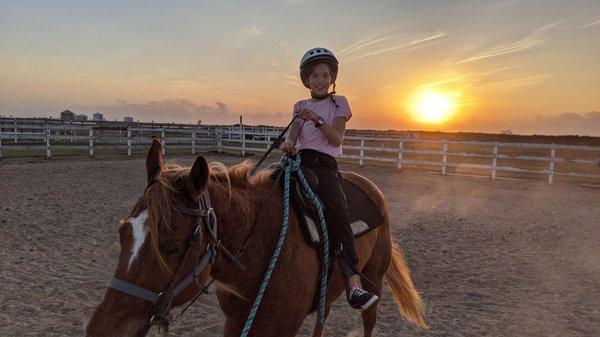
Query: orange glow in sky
[[528, 66], [433, 107]]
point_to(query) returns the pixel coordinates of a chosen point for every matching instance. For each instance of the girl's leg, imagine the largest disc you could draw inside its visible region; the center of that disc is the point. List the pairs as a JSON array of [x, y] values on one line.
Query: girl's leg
[[338, 224]]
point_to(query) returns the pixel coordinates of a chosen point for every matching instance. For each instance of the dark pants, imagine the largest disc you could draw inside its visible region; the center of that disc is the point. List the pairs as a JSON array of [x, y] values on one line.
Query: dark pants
[[336, 207]]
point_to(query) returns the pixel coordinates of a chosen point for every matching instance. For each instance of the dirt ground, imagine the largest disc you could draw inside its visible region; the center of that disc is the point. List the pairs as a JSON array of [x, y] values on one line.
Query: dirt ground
[[491, 258]]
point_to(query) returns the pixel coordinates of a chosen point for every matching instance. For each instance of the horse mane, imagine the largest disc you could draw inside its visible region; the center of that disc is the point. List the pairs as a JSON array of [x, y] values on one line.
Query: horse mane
[[222, 182]]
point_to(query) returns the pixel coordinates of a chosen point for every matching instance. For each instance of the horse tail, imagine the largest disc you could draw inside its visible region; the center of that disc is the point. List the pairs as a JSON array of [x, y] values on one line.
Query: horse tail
[[403, 290]]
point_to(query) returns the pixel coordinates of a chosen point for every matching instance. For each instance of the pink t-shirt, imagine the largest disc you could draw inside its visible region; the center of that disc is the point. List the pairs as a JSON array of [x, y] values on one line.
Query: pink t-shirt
[[311, 137]]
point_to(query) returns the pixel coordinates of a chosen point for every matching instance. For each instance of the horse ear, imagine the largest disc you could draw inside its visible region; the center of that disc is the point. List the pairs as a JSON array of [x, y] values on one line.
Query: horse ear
[[154, 160], [198, 177]]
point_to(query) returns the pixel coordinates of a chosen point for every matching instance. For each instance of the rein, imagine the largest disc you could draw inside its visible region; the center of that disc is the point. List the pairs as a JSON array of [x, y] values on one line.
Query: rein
[[290, 165], [273, 146], [160, 312]]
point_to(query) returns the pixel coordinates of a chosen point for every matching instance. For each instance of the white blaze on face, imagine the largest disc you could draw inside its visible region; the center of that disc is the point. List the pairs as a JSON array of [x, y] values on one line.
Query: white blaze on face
[[138, 231]]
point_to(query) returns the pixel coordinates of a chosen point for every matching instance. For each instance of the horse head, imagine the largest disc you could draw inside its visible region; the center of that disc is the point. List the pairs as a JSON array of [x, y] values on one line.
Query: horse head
[[165, 239]]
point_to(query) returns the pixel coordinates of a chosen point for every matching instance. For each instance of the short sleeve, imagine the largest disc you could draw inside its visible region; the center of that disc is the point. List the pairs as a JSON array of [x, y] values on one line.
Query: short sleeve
[[344, 108], [295, 109]]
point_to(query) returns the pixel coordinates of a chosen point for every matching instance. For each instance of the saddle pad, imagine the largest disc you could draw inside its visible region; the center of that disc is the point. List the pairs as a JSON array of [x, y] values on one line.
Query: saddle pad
[[364, 214]]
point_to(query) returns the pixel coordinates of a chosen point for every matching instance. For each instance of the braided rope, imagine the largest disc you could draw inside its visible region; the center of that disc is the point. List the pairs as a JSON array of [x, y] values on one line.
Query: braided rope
[[288, 166]]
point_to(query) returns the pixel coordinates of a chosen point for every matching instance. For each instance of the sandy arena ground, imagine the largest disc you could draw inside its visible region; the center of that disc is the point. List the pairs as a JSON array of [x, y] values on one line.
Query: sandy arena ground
[[491, 258]]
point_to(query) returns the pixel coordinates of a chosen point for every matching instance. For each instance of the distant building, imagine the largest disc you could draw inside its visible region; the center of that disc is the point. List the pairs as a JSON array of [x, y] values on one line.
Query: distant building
[[128, 119], [67, 115], [81, 117], [98, 117]]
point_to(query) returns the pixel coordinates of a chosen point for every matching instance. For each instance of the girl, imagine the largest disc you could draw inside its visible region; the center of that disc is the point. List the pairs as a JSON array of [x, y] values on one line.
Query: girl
[[320, 132]]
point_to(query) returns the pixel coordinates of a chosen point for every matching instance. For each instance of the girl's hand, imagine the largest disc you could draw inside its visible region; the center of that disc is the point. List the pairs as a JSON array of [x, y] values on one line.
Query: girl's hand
[[288, 147], [308, 115]]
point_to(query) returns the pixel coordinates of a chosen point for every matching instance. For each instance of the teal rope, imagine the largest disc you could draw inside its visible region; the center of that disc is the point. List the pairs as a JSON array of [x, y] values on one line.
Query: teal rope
[[325, 269], [288, 166]]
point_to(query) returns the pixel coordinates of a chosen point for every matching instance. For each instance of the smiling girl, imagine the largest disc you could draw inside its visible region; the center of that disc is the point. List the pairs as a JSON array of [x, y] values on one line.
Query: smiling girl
[[320, 132]]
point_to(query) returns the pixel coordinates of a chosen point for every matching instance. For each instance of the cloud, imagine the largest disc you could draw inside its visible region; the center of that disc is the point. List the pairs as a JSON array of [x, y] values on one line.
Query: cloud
[[509, 82], [186, 111], [384, 41], [567, 123], [593, 22], [254, 30], [178, 109], [535, 38]]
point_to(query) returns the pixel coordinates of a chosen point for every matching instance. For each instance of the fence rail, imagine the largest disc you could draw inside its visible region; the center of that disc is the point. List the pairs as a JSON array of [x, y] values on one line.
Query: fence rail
[[400, 151]]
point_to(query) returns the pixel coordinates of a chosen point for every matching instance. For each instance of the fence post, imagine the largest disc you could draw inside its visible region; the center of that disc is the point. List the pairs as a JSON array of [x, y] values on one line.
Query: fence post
[[494, 162], [400, 152], [16, 138], [72, 135], [129, 142], [362, 151], [162, 140], [445, 158], [47, 136], [91, 134], [220, 140], [551, 166], [0, 142], [268, 143], [119, 136], [194, 141], [243, 140]]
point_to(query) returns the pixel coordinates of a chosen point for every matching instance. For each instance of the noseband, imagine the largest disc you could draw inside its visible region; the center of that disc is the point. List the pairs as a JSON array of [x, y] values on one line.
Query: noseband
[[160, 313]]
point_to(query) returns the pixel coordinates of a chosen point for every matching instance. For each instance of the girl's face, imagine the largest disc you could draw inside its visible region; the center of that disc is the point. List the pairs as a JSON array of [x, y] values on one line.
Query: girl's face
[[320, 80]]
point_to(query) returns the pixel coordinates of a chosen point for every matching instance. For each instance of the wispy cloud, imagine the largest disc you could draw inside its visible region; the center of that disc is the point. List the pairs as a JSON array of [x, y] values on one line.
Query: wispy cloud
[[510, 83], [374, 37], [535, 38], [593, 22], [387, 41]]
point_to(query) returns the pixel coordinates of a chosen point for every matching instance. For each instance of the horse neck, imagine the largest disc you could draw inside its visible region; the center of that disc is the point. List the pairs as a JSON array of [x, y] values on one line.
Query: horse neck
[[250, 223], [237, 212]]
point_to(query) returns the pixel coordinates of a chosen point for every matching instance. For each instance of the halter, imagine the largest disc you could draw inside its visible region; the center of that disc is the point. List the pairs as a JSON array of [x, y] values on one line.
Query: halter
[[160, 313]]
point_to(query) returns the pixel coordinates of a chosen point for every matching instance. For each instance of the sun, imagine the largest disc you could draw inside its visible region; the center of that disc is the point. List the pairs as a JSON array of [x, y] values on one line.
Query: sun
[[433, 107]]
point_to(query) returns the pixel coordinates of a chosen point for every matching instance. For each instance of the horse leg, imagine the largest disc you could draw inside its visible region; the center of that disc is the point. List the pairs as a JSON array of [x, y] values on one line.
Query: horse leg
[[369, 316], [372, 279]]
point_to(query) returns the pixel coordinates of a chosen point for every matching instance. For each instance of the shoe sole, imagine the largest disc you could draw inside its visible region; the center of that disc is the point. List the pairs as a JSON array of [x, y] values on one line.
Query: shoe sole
[[370, 302]]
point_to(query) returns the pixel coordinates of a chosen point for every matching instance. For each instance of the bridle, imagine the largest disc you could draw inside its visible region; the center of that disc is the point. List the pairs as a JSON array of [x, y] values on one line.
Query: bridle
[[160, 313]]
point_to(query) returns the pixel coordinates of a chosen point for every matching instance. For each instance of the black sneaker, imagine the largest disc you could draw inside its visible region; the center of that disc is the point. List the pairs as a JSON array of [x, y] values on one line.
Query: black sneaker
[[360, 299]]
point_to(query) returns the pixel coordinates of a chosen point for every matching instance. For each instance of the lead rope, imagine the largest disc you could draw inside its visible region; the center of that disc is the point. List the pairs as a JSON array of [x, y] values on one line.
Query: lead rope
[[325, 268], [290, 165]]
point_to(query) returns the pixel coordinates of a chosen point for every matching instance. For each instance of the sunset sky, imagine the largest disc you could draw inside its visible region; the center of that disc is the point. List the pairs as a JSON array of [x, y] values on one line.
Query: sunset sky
[[528, 66]]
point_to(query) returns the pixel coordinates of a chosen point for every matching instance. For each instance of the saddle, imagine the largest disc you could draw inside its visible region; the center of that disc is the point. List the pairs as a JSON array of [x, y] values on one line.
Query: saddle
[[364, 214]]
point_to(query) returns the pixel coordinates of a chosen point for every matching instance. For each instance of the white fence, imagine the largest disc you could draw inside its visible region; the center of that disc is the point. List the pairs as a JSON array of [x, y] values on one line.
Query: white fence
[[429, 153]]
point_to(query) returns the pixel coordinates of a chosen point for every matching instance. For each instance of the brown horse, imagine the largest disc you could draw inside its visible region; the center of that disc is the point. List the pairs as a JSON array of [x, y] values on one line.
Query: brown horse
[[249, 212]]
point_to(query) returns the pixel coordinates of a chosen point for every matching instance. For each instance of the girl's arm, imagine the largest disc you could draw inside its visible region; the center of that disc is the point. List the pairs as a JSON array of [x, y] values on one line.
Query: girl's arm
[[335, 133]]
